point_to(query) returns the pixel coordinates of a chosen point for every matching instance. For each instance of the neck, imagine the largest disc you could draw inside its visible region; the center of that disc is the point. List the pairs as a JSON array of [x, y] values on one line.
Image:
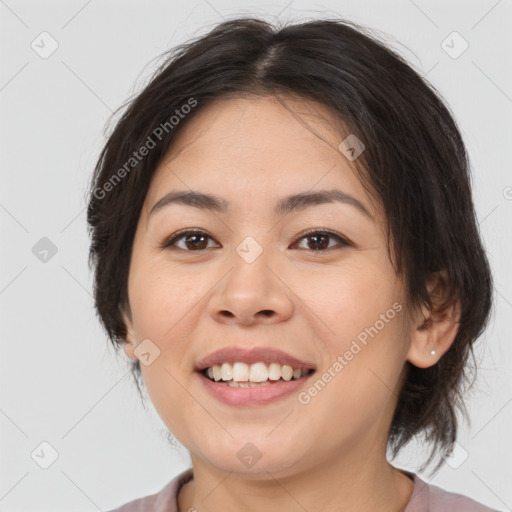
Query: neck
[[357, 485]]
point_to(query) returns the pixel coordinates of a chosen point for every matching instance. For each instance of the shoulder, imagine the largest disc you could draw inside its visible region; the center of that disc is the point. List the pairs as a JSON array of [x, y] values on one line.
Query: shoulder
[[164, 500], [431, 498]]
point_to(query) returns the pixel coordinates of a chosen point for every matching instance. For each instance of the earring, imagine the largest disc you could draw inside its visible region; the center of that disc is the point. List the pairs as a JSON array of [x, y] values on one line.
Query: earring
[[432, 352]]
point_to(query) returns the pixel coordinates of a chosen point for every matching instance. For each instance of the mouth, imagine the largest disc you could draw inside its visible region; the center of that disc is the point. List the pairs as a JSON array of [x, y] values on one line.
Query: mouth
[[243, 375], [249, 394], [248, 377]]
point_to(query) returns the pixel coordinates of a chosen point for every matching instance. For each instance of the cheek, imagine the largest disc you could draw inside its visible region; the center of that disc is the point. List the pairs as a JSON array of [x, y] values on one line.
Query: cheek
[[161, 297], [365, 339], [349, 298], [355, 393]]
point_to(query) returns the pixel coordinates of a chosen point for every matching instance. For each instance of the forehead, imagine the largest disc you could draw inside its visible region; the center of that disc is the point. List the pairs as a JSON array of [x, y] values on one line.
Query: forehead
[[257, 148]]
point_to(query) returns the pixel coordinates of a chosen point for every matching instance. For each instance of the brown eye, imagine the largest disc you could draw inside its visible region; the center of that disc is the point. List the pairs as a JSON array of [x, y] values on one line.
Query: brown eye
[[195, 240], [318, 241], [192, 241]]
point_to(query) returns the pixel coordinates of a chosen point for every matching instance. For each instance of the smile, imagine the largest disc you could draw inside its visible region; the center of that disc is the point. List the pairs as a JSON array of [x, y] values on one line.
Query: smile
[[243, 375], [246, 393]]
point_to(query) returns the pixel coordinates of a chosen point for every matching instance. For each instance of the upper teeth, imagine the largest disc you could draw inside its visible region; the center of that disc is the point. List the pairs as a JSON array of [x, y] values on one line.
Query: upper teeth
[[257, 372]]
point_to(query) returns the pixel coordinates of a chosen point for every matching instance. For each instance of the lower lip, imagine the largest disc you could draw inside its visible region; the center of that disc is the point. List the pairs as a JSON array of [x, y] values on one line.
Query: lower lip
[[253, 396]]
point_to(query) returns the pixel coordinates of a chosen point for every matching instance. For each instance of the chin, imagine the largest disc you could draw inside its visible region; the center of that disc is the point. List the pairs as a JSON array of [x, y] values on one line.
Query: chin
[[263, 469], [254, 457]]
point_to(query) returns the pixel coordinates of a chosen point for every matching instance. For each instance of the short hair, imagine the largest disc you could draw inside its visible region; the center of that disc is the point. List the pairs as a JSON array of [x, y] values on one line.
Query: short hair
[[414, 163]]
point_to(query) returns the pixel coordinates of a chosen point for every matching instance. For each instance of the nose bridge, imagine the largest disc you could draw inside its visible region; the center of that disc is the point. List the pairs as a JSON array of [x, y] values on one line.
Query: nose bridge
[[251, 290]]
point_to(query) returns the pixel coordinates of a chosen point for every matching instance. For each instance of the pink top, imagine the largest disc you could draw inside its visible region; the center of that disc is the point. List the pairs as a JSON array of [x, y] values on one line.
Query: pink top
[[425, 498]]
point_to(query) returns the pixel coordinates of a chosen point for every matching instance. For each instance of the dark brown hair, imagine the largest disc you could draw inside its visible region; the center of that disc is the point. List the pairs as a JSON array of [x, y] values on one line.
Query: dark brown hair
[[415, 163]]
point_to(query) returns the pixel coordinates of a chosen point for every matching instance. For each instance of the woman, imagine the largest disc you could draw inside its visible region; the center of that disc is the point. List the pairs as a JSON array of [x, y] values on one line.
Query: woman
[[283, 234]]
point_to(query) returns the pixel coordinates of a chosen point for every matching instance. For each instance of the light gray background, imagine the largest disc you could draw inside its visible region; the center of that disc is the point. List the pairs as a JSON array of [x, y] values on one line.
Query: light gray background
[[60, 381]]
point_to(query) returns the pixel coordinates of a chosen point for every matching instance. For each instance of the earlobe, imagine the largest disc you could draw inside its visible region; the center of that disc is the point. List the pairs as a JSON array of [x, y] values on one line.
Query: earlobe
[[129, 349], [435, 329]]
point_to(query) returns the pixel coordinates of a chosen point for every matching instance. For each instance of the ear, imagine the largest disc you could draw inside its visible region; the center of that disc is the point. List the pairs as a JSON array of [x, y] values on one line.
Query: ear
[[129, 344], [435, 329]]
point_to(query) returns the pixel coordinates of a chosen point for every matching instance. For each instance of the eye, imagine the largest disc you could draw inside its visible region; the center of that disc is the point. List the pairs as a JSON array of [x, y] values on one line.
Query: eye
[[319, 239], [197, 240], [194, 240]]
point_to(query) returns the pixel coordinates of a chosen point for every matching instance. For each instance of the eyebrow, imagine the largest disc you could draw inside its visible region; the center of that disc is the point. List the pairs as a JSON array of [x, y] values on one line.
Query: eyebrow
[[288, 204]]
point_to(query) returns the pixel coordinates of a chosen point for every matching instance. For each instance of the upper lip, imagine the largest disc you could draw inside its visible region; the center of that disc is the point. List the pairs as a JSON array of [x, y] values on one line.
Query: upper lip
[[266, 355]]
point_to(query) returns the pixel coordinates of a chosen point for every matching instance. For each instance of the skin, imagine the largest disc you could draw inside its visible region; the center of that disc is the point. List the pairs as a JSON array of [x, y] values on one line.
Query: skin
[[191, 302]]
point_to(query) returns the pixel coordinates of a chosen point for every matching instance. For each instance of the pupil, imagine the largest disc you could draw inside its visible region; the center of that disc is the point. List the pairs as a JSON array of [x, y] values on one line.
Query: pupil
[[325, 237], [195, 237]]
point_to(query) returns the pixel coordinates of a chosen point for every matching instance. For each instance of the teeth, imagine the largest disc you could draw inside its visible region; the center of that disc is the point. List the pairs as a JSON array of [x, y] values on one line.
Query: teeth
[[287, 372], [240, 372], [258, 374], [217, 373], [247, 384], [274, 371], [226, 372]]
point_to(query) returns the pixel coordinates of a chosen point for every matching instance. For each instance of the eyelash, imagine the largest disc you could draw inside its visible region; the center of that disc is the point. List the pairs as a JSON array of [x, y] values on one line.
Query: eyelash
[[169, 242]]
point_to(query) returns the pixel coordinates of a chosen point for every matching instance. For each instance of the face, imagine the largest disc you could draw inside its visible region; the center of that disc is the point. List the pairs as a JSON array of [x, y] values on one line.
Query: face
[[314, 282]]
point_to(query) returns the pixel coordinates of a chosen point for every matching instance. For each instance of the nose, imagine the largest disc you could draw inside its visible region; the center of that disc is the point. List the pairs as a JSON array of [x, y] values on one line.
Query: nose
[[251, 293]]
